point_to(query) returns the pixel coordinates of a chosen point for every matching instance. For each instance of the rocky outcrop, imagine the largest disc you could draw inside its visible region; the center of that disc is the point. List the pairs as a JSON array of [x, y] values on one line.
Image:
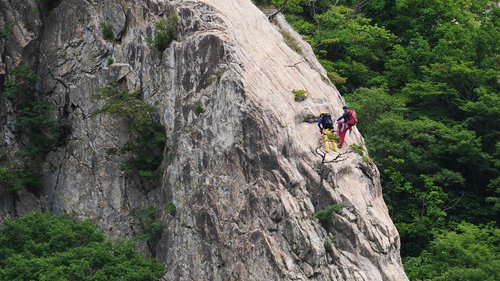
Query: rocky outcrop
[[243, 173]]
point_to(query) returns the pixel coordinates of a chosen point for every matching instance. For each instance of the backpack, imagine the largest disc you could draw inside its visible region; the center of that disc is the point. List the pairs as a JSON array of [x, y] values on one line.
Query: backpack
[[353, 118], [327, 121]]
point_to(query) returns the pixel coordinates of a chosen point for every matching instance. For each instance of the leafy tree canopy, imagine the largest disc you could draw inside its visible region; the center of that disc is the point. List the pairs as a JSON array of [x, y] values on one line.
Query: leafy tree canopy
[[42, 246], [465, 253]]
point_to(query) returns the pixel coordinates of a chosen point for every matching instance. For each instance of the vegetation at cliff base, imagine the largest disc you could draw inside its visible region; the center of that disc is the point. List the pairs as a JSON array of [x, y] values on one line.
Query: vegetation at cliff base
[[423, 76], [465, 253], [42, 246]]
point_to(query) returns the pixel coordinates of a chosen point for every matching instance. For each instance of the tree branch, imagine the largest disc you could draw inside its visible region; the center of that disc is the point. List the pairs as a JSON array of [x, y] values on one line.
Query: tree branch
[[293, 65], [454, 204], [323, 162], [277, 11]]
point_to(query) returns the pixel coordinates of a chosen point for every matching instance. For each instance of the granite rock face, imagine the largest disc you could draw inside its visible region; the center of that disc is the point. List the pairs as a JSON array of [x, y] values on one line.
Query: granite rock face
[[243, 173]]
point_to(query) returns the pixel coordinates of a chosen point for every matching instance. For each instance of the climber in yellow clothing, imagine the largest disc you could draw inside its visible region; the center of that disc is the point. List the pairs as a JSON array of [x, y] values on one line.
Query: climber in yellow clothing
[[325, 124]]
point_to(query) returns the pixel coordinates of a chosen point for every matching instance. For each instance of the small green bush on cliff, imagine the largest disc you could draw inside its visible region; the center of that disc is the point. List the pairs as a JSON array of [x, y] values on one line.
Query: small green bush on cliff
[[107, 31], [165, 32], [300, 94], [10, 173], [291, 41], [110, 60], [145, 148], [6, 29], [171, 209], [42, 246], [325, 214], [152, 227], [199, 108]]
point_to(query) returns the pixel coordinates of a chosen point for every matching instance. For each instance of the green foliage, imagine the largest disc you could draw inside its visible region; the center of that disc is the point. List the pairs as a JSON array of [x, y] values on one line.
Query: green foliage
[[325, 214], [291, 5], [480, 114], [361, 152], [216, 76], [300, 94], [165, 33], [110, 60], [264, 6], [260, 2], [291, 41], [405, 62], [152, 228], [420, 158], [10, 175], [465, 253], [357, 148], [171, 208], [367, 159], [107, 31], [301, 25], [145, 149], [351, 50], [20, 87], [37, 132], [6, 30], [200, 108], [41, 246], [35, 122], [328, 245], [332, 74]]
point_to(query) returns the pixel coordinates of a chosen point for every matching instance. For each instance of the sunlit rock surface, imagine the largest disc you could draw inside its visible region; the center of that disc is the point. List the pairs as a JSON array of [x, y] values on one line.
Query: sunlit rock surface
[[244, 174]]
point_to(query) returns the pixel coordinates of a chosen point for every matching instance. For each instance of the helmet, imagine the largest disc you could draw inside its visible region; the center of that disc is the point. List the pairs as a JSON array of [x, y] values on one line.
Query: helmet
[[321, 113], [345, 107]]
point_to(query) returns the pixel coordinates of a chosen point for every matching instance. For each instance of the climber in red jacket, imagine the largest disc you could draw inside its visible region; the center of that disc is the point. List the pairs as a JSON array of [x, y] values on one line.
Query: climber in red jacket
[[345, 122]]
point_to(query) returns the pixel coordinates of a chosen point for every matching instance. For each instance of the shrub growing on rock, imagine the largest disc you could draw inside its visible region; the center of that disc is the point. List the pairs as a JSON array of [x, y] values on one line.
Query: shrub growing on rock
[[145, 149], [107, 31], [300, 94], [165, 32], [325, 214]]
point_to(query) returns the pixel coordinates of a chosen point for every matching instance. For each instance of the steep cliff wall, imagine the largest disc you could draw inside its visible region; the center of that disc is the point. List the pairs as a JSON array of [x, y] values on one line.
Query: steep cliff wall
[[243, 174]]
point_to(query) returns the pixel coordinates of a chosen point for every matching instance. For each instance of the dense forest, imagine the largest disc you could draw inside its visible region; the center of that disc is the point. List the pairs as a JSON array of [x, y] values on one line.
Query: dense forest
[[42, 246], [423, 76]]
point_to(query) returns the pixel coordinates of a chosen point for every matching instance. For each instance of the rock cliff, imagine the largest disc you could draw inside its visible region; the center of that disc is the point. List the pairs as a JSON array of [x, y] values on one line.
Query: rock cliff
[[243, 173]]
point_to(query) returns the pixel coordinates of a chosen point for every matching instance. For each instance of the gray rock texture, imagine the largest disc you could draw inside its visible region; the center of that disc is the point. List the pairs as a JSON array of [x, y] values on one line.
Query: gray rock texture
[[244, 174]]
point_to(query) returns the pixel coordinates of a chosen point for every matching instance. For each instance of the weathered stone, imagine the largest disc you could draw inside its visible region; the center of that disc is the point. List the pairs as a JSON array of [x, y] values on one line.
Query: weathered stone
[[242, 174]]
